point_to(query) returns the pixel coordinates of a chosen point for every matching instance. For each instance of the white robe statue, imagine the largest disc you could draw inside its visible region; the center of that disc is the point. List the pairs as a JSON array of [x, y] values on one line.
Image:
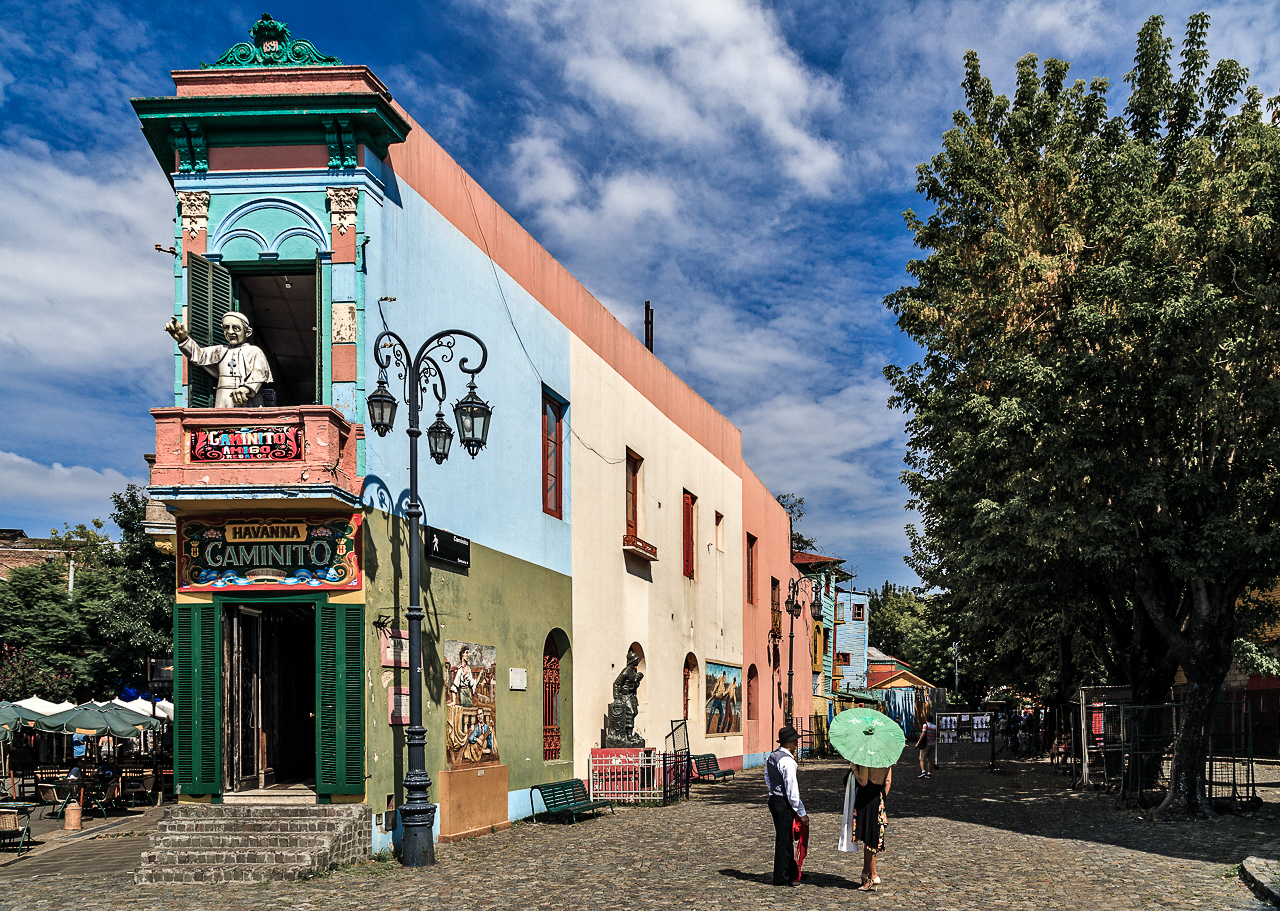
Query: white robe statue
[[241, 368]]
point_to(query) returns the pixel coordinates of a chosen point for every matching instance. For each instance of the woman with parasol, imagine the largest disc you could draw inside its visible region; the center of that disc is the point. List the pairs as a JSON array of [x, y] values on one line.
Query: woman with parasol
[[872, 743]]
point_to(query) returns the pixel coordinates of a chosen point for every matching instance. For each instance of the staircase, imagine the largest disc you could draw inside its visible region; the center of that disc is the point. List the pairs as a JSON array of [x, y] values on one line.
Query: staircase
[[212, 843]]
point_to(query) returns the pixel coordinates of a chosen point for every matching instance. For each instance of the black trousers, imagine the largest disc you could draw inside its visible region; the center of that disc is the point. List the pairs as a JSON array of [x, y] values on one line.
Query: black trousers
[[784, 859]]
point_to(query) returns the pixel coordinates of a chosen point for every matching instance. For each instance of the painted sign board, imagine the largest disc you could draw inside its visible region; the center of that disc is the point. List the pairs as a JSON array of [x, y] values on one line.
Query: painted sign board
[[397, 705], [446, 547], [277, 443], [275, 553]]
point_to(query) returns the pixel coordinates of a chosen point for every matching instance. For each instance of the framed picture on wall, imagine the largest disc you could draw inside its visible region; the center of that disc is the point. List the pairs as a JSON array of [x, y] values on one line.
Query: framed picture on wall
[[724, 700]]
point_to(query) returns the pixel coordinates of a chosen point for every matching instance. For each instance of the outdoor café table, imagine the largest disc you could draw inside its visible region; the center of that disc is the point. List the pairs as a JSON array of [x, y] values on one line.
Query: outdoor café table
[[19, 810]]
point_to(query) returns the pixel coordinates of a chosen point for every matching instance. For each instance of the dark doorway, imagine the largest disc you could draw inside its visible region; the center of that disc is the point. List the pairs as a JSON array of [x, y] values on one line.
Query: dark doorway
[[269, 695], [282, 310]]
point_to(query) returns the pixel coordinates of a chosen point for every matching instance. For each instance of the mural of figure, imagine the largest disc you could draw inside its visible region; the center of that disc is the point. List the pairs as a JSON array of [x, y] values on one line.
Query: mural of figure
[[464, 682], [620, 726], [715, 705], [471, 736], [241, 368]]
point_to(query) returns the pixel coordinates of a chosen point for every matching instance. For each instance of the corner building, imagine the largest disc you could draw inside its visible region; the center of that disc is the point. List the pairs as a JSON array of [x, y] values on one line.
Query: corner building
[[308, 200]]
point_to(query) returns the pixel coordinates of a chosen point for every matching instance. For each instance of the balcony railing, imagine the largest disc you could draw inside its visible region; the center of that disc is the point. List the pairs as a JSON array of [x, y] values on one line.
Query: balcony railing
[[303, 456], [641, 548]]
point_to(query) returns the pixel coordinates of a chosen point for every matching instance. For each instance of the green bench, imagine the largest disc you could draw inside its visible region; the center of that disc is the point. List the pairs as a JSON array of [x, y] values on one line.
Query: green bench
[[567, 797], [709, 767]]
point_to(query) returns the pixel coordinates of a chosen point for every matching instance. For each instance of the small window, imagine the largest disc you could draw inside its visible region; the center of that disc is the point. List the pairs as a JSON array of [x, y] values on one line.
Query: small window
[[826, 641], [690, 680], [690, 501], [552, 461], [859, 613], [633, 493], [719, 532], [751, 569], [775, 594]]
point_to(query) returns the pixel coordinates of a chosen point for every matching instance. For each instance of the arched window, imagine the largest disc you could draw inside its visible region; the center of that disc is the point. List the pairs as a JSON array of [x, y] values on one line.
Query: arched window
[[753, 693], [690, 680], [550, 699]]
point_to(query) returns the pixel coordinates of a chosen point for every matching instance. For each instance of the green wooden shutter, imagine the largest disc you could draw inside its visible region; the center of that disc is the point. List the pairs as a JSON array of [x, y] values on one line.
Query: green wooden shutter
[[340, 706], [197, 697], [208, 301]]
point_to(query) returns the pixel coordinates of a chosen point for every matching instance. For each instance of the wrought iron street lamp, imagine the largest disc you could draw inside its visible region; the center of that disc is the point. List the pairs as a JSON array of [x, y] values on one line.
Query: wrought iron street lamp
[[795, 609], [420, 373]]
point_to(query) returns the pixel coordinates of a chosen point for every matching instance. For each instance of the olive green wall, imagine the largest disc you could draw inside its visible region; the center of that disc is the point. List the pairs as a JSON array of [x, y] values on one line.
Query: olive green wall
[[500, 601]]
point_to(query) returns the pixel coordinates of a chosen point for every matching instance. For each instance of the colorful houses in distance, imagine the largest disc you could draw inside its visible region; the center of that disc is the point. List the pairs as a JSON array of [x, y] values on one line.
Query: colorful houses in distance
[[609, 512]]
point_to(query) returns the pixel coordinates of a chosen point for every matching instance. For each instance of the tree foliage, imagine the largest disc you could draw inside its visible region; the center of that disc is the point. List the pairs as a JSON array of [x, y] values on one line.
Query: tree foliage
[[1095, 424], [95, 639], [794, 505]]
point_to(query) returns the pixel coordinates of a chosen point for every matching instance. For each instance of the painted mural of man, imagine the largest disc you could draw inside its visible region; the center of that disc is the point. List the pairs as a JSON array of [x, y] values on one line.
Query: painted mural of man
[[241, 368], [464, 681], [481, 742]]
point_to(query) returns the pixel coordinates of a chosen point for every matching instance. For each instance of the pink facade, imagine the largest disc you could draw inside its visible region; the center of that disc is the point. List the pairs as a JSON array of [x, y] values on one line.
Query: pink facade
[[763, 657]]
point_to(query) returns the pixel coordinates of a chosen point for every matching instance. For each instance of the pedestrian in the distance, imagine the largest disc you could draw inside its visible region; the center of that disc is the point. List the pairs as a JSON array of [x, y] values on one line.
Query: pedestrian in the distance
[[928, 747], [784, 804]]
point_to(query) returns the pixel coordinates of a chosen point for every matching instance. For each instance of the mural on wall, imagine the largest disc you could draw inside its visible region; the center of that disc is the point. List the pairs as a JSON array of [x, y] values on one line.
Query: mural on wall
[[471, 704], [724, 700]]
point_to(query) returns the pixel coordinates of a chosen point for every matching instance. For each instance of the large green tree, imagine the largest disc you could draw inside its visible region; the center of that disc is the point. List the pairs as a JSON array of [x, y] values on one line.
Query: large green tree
[[93, 640], [1098, 405]]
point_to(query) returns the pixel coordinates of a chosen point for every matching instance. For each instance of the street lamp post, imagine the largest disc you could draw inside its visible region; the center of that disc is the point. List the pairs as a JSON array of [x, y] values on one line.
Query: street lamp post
[[794, 609], [420, 373]]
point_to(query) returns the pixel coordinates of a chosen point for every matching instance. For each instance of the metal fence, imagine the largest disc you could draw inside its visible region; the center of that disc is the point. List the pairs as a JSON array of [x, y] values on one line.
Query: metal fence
[[966, 738], [646, 776]]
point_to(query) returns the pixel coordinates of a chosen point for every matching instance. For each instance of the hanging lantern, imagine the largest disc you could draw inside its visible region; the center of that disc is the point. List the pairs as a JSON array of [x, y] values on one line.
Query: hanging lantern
[[382, 408], [472, 414], [439, 436]]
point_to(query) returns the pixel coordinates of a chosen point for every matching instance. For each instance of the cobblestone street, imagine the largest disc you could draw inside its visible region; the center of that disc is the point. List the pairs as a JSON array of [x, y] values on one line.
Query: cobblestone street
[[962, 840]]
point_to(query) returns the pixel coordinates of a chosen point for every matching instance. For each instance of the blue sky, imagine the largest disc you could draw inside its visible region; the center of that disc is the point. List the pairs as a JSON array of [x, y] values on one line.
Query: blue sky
[[744, 165]]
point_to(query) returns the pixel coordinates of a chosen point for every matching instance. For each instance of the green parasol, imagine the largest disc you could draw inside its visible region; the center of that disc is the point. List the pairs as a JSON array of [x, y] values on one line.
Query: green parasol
[[93, 720], [867, 738], [13, 717]]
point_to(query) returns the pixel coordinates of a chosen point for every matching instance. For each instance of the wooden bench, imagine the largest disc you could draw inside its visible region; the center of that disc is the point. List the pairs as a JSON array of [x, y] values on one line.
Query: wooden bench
[[567, 797], [709, 767]]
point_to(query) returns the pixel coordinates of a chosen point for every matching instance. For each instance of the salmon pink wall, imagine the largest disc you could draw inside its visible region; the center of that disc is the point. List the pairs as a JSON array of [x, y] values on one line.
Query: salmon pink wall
[[768, 522]]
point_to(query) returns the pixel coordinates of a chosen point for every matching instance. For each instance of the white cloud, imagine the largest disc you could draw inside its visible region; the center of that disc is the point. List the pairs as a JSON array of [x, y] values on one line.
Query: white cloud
[[31, 488], [83, 291]]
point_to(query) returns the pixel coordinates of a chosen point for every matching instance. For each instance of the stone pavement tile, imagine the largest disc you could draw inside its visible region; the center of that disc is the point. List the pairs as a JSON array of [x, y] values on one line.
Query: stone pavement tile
[[965, 839]]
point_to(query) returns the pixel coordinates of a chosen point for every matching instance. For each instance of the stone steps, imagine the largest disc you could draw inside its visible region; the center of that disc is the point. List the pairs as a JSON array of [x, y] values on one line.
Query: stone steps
[[239, 843]]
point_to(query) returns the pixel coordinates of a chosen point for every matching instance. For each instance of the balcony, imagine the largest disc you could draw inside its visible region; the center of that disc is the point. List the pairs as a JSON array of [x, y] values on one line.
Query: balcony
[[208, 460], [640, 548]]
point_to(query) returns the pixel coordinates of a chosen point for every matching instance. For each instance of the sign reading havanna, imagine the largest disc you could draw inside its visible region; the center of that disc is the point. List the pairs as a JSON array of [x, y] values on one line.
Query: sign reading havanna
[[313, 552]]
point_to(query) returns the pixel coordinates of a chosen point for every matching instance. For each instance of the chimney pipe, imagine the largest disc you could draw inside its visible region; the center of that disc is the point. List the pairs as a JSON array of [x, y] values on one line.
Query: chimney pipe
[[648, 326]]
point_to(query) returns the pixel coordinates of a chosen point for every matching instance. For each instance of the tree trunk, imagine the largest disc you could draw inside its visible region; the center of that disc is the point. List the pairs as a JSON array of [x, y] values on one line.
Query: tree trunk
[[1187, 785]]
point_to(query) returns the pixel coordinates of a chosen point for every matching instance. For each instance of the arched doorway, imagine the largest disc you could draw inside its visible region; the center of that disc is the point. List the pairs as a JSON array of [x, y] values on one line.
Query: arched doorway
[[753, 694], [690, 681]]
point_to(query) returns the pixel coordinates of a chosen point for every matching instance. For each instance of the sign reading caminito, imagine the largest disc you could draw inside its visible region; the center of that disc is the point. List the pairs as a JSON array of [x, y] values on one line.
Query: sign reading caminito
[[281, 443], [446, 547], [312, 552]]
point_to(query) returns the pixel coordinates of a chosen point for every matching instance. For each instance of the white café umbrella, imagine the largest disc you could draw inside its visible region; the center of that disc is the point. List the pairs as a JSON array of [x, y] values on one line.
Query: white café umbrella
[[44, 706]]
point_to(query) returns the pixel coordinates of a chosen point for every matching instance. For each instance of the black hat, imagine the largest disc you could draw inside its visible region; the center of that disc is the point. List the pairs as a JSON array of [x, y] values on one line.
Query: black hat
[[787, 733]]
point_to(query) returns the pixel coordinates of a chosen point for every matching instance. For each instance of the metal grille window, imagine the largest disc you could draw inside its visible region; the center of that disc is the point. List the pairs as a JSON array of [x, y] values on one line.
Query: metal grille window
[[550, 701], [775, 608]]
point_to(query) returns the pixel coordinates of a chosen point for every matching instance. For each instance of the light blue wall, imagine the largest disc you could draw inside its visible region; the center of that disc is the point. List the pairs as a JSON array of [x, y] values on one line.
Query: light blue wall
[[851, 636], [441, 280]]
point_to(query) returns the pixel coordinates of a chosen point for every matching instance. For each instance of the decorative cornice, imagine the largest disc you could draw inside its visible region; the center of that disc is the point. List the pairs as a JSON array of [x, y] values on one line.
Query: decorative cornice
[[342, 207], [194, 208], [272, 46]]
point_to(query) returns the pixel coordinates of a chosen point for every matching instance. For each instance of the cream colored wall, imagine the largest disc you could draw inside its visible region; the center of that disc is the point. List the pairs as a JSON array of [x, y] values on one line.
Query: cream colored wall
[[669, 616]]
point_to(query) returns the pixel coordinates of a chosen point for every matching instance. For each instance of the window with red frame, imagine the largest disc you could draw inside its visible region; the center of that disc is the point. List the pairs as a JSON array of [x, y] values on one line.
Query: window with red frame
[[633, 478], [751, 569], [689, 502], [552, 461], [859, 613]]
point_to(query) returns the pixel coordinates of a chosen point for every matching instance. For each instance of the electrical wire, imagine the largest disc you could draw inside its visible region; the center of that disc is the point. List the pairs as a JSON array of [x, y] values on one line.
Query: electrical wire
[[462, 175]]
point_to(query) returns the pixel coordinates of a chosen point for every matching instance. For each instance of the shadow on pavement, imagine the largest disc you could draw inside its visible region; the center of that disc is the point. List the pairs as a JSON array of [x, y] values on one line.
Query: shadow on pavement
[[1028, 798]]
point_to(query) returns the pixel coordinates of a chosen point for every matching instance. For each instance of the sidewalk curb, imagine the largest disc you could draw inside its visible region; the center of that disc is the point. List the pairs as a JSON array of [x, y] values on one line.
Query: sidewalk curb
[[1262, 875]]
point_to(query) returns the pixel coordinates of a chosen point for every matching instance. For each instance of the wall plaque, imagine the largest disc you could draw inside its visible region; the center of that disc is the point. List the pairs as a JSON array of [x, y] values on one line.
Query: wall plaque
[[395, 647], [274, 553], [397, 705], [281, 443]]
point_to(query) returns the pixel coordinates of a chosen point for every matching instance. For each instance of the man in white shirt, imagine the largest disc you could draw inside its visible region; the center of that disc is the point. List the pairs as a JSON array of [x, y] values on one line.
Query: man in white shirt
[[785, 804], [241, 368]]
